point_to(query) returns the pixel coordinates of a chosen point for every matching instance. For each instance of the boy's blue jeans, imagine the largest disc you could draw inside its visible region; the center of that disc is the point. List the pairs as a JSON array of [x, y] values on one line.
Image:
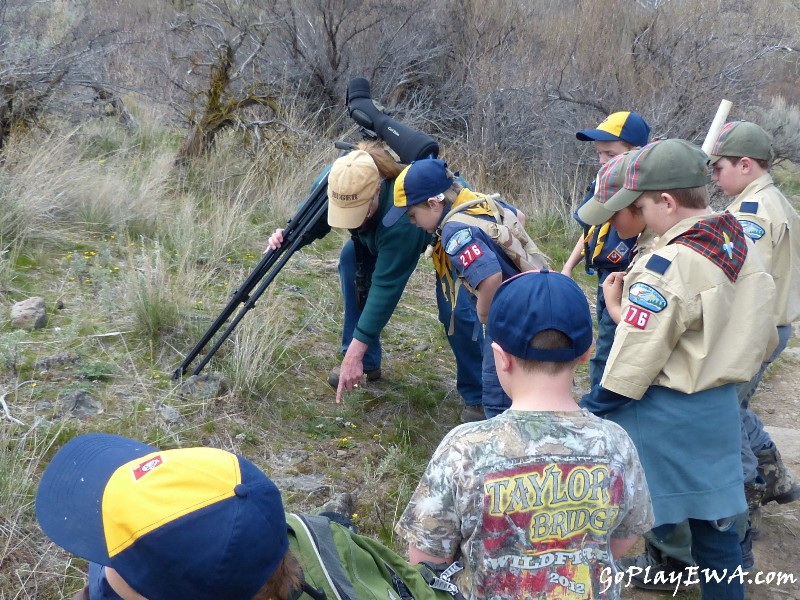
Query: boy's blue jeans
[[466, 342], [720, 552], [605, 334]]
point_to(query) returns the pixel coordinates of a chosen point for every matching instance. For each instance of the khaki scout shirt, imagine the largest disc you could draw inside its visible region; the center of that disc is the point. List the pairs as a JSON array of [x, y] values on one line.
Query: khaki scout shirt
[[774, 226], [704, 330]]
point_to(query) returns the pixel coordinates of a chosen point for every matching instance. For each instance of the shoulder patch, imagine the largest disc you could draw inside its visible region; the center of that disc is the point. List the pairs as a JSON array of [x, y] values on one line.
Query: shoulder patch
[[749, 207], [458, 241], [752, 230], [658, 264], [647, 297]]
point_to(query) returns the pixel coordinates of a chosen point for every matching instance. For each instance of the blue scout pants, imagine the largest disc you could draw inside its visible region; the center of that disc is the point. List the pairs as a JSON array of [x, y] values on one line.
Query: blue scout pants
[[467, 351], [466, 342], [605, 334]]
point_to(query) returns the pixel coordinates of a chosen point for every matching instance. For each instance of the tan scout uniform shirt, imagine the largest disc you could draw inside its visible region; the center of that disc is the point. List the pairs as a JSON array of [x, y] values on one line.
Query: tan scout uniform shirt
[[703, 331], [774, 226]]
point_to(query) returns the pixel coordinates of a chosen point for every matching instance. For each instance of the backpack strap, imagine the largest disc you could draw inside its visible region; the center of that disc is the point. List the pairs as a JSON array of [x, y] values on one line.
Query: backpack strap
[[464, 206], [319, 532]]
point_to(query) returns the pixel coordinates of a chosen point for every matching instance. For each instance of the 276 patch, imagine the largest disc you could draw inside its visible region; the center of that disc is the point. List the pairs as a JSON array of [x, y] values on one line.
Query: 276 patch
[[468, 256], [637, 317], [458, 241], [647, 297], [752, 230]]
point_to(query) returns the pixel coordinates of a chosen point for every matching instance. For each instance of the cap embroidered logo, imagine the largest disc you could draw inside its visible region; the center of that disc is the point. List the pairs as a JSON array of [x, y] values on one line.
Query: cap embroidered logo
[[143, 469]]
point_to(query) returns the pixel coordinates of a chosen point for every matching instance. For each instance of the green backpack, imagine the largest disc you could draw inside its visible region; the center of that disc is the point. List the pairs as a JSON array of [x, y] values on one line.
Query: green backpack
[[346, 566]]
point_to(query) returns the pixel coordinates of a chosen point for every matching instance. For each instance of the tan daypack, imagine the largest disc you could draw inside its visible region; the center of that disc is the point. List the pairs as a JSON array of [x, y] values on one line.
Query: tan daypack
[[506, 231]]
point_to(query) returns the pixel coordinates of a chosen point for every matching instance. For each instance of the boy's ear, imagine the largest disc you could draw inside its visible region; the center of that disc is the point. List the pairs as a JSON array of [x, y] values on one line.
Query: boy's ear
[[746, 165], [502, 359], [667, 199], [588, 354]]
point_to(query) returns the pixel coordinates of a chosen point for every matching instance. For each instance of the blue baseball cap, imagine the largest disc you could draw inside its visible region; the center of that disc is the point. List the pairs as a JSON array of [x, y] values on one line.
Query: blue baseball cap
[[622, 126], [198, 523], [420, 180], [535, 301]]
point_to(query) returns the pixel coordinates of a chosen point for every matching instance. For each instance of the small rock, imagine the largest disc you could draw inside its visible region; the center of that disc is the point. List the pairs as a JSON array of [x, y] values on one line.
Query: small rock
[[168, 413], [43, 406], [80, 404], [29, 314], [291, 457], [61, 359], [309, 484], [792, 354], [205, 386]]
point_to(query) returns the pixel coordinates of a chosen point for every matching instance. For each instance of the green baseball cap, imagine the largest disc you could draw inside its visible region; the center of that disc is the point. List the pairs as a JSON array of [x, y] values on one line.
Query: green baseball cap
[[662, 165], [742, 138], [610, 179]]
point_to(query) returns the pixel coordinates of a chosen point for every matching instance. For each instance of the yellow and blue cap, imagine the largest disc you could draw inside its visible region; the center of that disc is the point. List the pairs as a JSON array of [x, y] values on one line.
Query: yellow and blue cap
[[625, 126], [198, 523], [420, 180]]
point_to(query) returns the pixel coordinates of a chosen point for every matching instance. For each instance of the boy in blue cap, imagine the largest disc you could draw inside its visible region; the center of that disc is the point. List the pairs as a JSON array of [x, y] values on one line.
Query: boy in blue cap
[[202, 524], [463, 252], [538, 501], [601, 247]]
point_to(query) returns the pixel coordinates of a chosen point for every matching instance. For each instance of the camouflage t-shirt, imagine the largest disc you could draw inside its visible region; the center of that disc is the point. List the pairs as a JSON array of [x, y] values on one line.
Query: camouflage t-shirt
[[528, 502]]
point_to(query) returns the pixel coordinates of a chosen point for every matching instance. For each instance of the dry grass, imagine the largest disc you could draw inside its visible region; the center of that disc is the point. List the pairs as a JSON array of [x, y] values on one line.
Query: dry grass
[[143, 256]]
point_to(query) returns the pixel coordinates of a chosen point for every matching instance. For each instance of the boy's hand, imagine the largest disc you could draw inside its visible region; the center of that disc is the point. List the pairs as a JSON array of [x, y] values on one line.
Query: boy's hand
[[612, 292], [485, 294]]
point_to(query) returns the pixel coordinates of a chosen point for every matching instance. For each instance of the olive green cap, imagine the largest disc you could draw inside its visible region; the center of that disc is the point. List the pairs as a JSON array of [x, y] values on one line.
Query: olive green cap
[[662, 165], [742, 138], [610, 179]]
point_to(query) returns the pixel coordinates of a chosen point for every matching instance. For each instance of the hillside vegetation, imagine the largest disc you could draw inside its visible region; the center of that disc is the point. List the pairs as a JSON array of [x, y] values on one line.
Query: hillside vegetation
[[141, 174]]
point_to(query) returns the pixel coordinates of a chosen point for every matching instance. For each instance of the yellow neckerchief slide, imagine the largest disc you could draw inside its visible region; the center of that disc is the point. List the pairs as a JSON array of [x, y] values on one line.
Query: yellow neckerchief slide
[[441, 262]]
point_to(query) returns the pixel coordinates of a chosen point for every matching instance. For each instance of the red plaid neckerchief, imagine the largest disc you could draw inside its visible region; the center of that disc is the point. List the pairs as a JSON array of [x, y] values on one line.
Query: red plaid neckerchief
[[720, 239]]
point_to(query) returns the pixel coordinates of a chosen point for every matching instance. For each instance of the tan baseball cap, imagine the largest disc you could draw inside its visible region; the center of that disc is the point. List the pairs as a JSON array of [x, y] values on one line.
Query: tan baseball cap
[[352, 183]]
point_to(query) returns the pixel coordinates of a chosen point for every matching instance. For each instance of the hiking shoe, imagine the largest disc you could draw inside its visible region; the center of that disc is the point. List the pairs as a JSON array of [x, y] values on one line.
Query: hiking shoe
[[472, 412], [649, 573], [754, 494], [748, 560], [333, 376], [781, 486]]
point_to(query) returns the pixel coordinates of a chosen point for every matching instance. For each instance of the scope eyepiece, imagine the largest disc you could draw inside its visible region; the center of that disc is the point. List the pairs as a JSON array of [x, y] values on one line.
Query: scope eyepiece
[[357, 89]]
